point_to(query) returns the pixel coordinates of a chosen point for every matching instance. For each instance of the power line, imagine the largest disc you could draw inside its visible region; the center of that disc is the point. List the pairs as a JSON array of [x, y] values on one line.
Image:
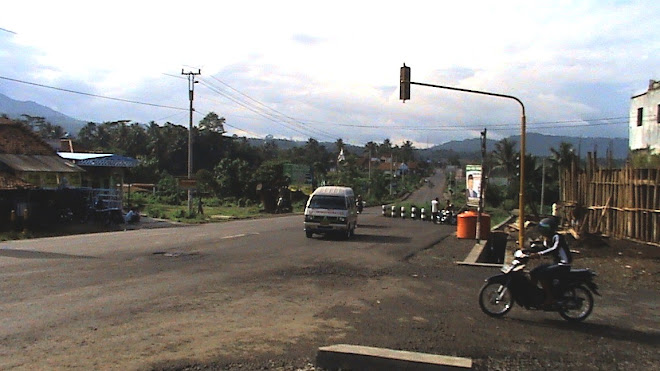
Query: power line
[[279, 114], [270, 116], [92, 95]]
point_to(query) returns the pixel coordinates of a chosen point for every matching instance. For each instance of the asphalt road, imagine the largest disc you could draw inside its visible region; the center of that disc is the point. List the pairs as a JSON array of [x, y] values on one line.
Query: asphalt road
[[140, 297], [258, 294]]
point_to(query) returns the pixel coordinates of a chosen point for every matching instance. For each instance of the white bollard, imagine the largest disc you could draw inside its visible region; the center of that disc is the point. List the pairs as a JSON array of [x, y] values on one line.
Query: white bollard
[[393, 211], [413, 211], [422, 214], [384, 214], [403, 212]]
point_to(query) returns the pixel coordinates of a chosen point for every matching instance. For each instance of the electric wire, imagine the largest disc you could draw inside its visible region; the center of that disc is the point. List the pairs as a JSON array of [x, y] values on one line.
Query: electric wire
[[259, 111], [283, 116], [92, 95], [277, 117]]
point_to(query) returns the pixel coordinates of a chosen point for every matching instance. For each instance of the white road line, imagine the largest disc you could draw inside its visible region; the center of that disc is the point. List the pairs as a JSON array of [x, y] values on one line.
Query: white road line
[[239, 235]]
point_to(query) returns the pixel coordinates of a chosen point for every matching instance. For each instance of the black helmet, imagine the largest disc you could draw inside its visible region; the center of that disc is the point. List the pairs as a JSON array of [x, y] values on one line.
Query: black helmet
[[548, 226]]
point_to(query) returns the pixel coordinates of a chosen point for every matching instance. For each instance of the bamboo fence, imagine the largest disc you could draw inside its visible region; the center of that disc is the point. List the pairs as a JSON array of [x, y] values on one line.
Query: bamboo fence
[[621, 203]]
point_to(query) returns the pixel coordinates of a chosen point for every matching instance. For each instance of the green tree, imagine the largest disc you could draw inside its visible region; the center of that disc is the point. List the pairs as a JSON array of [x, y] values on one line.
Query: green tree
[[212, 122], [232, 177]]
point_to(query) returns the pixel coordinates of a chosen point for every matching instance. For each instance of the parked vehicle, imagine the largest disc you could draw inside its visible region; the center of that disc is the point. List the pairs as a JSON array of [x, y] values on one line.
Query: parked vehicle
[[573, 291], [448, 217], [283, 205], [331, 210]]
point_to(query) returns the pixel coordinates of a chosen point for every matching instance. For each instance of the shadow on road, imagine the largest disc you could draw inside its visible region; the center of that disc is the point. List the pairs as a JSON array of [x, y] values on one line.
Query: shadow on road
[[30, 254], [380, 239], [371, 226], [361, 237], [602, 330]]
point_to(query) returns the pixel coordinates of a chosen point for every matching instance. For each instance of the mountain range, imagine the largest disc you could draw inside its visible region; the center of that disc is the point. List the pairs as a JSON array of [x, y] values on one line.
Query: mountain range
[[536, 144], [14, 109]]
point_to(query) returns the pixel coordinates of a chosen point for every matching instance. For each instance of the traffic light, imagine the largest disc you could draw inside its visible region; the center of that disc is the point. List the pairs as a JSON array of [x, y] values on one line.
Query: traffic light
[[518, 165], [404, 84]]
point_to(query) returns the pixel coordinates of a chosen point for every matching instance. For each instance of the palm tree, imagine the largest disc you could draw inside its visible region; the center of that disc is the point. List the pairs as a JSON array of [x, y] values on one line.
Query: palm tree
[[407, 151], [562, 158], [504, 157]]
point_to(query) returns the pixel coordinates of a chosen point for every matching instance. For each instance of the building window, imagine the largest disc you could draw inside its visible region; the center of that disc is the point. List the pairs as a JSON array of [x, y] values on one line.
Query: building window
[[640, 116]]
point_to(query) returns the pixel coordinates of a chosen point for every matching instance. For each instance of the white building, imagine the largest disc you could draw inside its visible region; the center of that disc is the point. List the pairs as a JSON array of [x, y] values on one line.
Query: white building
[[644, 126]]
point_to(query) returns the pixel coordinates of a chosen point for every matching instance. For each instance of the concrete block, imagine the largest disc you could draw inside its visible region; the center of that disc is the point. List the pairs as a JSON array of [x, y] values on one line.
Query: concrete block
[[357, 357]]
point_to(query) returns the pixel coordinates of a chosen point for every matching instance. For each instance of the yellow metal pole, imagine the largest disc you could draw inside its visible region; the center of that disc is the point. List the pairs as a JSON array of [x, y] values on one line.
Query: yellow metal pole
[[521, 194]]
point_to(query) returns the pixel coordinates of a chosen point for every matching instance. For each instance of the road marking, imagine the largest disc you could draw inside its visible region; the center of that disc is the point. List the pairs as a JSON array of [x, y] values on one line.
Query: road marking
[[238, 236]]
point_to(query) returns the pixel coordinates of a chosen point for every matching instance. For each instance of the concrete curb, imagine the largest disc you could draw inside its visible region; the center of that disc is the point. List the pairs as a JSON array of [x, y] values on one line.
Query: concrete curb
[[474, 255], [357, 357]]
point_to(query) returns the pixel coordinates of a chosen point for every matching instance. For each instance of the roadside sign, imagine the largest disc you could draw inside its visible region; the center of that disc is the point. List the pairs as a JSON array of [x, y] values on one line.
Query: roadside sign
[[472, 184], [187, 183]]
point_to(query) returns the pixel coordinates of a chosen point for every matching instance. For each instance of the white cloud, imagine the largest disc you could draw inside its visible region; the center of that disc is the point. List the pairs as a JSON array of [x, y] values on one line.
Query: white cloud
[[337, 63]]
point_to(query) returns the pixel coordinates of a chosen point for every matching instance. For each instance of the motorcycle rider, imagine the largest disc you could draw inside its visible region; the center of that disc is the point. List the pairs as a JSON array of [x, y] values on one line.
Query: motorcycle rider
[[555, 245]]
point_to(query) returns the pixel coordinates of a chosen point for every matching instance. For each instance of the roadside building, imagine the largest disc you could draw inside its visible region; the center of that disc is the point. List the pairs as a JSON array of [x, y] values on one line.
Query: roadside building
[[644, 125], [34, 180]]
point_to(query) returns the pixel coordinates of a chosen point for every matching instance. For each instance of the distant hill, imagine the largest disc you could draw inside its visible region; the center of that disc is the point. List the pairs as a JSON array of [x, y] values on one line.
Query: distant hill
[[540, 144], [537, 144], [14, 109]]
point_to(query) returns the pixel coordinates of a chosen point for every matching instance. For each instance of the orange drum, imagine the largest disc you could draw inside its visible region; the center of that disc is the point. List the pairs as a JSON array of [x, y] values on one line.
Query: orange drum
[[466, 226]]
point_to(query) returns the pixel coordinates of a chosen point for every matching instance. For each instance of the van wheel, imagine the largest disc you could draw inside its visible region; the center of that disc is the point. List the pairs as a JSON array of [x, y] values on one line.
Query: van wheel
[[308, 234]]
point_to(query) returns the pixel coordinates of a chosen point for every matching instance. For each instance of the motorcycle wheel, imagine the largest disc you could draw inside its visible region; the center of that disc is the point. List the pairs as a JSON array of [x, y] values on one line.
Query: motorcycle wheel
[[495, 299], [576, 304]]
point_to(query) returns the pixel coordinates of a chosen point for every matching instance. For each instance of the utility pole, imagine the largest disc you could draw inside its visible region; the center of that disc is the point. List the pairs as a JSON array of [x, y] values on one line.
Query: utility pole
[[480, 207], [191, 89], [542, 185]]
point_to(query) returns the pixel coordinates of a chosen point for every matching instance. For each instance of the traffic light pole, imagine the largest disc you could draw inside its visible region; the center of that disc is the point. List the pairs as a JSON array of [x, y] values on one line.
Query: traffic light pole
[[405, 94]]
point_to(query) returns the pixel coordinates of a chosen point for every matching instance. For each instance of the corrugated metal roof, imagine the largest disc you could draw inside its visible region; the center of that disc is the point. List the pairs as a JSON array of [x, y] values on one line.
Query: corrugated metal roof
[[99, 159], [78, 156], [109, 161], [17, 138], [39, 163]]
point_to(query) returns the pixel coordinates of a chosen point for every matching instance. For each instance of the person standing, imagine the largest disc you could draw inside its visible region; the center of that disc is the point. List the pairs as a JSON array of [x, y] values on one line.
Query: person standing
[[434, 209], [200, 206]]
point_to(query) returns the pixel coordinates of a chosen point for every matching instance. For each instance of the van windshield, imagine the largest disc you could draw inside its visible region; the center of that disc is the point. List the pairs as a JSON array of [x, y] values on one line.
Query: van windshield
[[328, 202]]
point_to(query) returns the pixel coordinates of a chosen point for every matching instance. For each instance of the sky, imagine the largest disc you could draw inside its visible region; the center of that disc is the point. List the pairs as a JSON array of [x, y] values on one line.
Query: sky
[[329, 69]]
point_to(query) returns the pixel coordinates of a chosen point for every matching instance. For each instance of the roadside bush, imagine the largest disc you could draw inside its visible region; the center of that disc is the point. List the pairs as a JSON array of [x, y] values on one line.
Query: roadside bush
[[495, 195], [509, 204], [155, 211]]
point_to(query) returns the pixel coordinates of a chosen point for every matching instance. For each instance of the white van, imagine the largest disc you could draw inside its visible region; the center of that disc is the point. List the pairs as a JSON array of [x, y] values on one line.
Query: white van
[[331, 209]]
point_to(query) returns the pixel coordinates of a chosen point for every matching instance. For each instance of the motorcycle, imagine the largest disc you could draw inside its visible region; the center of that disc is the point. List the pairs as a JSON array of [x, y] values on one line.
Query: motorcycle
[[283, 205], [574, 291], [448, 217], [360, 206]]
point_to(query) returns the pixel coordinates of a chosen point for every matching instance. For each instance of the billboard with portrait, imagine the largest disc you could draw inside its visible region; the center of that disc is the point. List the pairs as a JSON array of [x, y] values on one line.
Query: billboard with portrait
[[472, 184]]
